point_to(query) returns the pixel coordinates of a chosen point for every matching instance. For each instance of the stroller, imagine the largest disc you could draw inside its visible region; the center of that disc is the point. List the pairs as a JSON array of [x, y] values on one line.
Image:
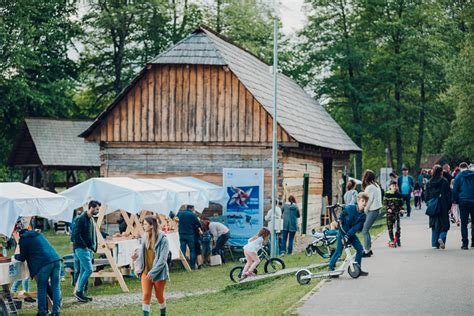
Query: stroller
[[323, 243]]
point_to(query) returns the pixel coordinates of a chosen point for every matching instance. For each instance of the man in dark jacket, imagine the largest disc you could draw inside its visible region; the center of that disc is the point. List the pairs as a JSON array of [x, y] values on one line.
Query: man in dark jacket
[[188, 225], [44, 263], [463, 194], [85, 244], [352, 220], [405, 186]]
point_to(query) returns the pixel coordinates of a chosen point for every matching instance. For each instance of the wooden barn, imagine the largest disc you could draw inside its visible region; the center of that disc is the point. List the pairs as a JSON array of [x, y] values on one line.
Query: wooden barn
[[205, 104]]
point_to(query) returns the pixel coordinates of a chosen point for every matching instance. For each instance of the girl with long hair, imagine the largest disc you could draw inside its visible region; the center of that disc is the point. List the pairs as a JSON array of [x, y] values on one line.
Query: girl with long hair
[[251, 252], [290, 214], [372, 210], [438, 187], [151, 264]]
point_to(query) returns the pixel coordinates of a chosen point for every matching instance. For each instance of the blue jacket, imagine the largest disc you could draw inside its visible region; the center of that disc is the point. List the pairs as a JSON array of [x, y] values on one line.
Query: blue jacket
[[410, 182], [36, 250], [463, 189], [352, 220], [188, 222]]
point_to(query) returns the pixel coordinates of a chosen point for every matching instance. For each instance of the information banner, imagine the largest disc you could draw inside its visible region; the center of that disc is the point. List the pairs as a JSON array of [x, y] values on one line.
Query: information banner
[[244, 208]]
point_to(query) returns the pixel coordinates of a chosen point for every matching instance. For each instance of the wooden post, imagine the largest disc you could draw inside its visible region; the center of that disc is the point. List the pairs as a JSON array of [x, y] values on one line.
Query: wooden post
[[103, 248]]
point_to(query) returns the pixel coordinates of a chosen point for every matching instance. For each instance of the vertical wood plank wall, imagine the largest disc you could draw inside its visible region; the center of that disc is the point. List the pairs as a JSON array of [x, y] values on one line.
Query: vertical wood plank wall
[[294, 167], [188, 103]]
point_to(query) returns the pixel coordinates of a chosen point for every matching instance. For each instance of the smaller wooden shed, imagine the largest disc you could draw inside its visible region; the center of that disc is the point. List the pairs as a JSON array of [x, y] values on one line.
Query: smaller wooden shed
[[43, 146]]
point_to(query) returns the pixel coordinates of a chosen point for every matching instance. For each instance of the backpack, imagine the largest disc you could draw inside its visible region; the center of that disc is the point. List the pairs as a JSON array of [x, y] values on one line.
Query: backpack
[[433, 206]]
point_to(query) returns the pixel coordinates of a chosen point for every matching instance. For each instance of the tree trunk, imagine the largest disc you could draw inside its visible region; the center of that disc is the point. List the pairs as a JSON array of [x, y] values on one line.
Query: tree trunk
[[421, 124], [218, 17], [354, 100]]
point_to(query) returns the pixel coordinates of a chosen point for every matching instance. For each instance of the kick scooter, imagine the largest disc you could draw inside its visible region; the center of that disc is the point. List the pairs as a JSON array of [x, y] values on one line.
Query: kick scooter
[[304, 276]]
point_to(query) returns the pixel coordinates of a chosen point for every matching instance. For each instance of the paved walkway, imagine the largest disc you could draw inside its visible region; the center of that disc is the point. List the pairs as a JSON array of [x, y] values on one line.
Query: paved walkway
[[411, 280]]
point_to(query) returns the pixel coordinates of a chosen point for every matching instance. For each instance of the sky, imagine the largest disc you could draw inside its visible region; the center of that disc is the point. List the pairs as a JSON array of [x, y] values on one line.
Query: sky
[[292, 16]]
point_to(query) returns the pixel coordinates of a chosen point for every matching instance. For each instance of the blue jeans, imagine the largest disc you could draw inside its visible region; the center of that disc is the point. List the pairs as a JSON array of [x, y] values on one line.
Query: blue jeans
[[284, 237], [355, 242], [407, 199], [85, 261], [189, 241], [77, 269], [25, 283], [435, 235], [48, 272], [369, 221], [220, 243]]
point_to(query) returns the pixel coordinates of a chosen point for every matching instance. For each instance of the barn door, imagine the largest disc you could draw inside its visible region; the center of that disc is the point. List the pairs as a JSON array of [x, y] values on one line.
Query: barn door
[[327, 179]]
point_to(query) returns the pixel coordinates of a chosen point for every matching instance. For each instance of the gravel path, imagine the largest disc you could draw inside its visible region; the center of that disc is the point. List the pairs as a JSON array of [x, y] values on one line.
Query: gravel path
[[118, 300]]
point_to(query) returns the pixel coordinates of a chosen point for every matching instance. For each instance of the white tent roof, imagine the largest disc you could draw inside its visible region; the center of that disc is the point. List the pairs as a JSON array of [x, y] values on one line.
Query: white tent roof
[[180, 194], [213, 192], [120, 193], [134, 195], [18, 199]]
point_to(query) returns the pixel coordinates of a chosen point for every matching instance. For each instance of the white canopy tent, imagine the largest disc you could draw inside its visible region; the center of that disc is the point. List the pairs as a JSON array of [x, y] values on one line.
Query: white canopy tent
[[212, 192], [180, 194], [18, 199], [117, 193]]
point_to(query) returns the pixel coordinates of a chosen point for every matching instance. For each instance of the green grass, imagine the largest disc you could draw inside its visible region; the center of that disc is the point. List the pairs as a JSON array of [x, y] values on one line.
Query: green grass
[[272, 296]]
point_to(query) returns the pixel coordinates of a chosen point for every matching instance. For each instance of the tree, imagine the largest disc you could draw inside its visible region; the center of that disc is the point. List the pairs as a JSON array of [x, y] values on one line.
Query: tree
[[247, 23], [121, 37], [333, 60], [460, 143], [36, 74]]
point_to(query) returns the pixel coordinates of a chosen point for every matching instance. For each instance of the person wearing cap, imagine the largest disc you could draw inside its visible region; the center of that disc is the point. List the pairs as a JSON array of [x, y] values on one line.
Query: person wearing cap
[[44, 264]]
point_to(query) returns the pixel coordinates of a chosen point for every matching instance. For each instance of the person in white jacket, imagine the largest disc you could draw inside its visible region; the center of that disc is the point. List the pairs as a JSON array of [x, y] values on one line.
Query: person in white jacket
[[372, 209], [278, 221]]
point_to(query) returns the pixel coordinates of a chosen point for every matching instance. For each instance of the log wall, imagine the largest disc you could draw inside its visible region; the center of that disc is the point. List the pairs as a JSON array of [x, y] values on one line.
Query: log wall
[[204, 162]]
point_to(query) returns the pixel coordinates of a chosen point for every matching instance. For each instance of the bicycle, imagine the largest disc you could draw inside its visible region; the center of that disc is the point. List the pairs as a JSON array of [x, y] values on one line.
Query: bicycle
[[271, 265]]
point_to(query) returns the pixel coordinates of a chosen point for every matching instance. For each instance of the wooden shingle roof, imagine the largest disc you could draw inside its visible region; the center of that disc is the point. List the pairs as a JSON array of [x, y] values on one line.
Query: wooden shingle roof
[[298, 113], [54, 143]]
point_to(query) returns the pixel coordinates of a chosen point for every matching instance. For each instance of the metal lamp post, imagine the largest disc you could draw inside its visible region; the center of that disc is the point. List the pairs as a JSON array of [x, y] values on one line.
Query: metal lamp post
[[274, 144]]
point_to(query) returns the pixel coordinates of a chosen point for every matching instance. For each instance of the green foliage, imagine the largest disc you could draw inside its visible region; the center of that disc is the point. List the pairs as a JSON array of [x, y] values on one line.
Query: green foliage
[[36, 74], [379, 69], [460, 143], [247, 23]]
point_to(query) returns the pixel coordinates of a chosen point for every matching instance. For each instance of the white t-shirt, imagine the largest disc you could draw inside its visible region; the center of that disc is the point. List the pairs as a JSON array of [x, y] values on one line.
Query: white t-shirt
[[217, 229], [350, 197], [254, 246], [375, 197]]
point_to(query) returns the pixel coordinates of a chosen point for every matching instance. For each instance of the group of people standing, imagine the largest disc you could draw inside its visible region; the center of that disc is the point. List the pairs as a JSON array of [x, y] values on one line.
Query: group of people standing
[[197, 234]]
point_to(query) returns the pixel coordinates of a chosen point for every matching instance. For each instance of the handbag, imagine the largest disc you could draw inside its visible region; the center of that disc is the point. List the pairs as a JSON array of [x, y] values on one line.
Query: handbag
[[433, 206]]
